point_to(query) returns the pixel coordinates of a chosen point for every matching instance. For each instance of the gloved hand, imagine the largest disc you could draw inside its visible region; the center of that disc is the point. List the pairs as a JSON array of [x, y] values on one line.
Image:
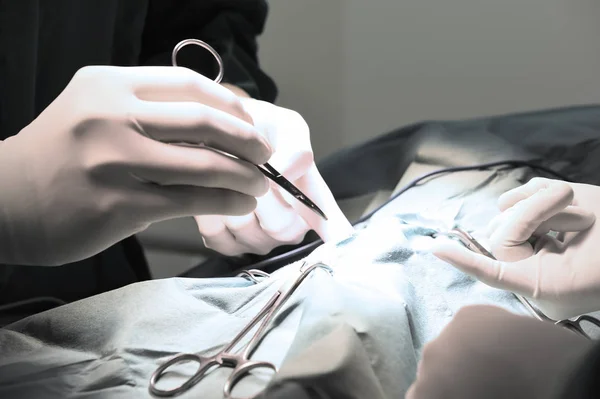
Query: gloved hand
[[279, 218], [487, 352], [561, 275], [94, 167]]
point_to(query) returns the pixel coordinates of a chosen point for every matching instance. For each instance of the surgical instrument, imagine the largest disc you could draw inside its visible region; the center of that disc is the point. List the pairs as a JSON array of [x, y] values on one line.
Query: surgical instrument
[[300, 251], [269, 171], [241, 363], [574, 325]]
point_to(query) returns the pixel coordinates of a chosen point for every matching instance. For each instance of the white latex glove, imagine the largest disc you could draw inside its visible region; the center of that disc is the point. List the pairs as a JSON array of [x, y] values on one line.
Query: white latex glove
[[279, 218], [93, 168], [561, 275], [487, 352]]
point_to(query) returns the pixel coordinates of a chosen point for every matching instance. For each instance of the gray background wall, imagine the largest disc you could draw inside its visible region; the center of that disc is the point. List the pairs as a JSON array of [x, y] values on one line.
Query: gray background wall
[[357, 68]]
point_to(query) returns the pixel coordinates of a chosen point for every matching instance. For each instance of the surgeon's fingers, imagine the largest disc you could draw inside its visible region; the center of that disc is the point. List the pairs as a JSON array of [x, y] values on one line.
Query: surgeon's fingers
[[533, 186], [278, 219], [526, 216], [288, 132], [235, 235], [510, 231], [337, 227], [518, 277], [572, 219], [250, 234], [154, 203], [196, 123], [498, 220], [502, 245], [216, 235], [292, 164], [273, 223], [509, 241], [182, 84], [166, 164]]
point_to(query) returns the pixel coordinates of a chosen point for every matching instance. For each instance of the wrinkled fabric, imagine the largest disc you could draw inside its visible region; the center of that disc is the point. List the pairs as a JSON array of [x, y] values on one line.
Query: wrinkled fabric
[[566, 140], [365, 326], [358, 333]]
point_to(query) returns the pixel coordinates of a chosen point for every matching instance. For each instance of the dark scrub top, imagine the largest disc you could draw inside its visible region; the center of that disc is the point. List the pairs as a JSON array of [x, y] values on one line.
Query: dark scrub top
[[43, 43]]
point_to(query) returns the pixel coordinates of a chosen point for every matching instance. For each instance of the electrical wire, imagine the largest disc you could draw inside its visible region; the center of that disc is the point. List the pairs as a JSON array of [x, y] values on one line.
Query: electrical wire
[[32, 301], [299, 253]]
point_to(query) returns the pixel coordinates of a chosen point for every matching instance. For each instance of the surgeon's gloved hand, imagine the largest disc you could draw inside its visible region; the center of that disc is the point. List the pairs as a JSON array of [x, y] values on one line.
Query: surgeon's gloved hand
[[561, 274], [95, 166], [487, 352], [279, 218]]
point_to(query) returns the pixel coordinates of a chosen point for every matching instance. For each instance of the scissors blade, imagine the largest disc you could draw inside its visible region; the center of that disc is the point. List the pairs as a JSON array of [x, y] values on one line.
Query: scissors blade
[[470, 242], [270, 171], [284, 183]]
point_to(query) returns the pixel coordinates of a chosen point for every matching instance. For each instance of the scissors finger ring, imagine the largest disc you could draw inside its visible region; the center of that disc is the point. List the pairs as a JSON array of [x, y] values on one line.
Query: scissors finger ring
[[204, 45], [267, 170], [244, 368], [204, 364]]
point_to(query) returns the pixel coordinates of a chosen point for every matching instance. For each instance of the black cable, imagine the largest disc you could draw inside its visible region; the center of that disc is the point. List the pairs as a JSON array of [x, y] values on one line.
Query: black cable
[[415, 182], [32, 301], [298, 253]]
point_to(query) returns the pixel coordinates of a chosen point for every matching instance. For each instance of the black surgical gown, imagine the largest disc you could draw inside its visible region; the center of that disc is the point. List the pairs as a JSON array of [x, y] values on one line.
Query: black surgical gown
[[43, 43]]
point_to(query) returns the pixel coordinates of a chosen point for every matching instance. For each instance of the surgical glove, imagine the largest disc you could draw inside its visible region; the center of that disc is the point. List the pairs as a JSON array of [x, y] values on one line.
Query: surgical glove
[[99, 164], [560, 274], [279, 218], [487, 352]]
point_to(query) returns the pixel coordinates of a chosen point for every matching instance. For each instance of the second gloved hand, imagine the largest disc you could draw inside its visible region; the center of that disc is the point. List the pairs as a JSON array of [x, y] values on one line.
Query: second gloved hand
[[278, 219], [561, 274]]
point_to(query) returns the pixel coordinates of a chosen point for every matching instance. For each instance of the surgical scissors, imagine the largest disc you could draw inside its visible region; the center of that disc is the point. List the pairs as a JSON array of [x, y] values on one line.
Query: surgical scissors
[[574, 325], [240, 362], [267, 170]]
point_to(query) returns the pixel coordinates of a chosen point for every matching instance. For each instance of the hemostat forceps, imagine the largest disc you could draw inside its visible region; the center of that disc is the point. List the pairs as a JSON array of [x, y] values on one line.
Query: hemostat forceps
[[240, 360], [574, 325], [267, 170]]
